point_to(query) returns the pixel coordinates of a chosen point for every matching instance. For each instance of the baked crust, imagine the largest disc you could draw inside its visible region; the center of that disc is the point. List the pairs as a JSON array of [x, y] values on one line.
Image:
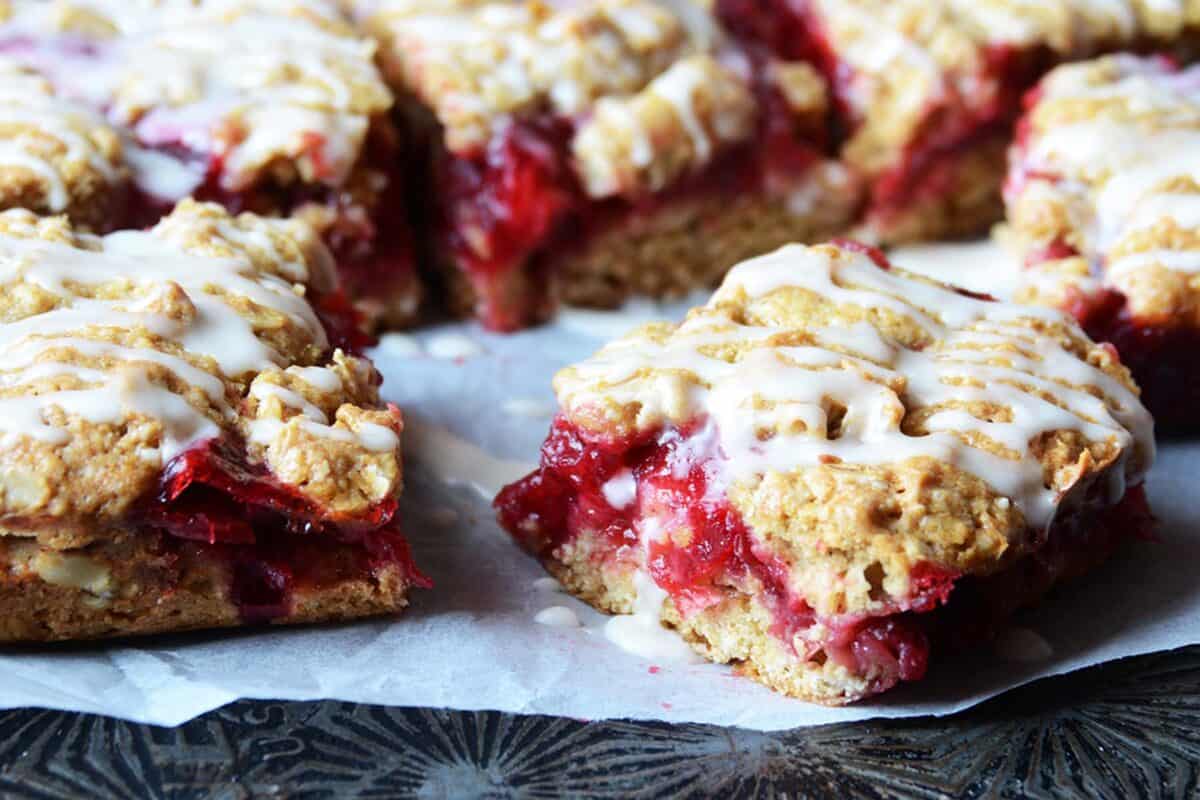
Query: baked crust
[[136, 584], [823, 446], [271, 107], [612, 134]]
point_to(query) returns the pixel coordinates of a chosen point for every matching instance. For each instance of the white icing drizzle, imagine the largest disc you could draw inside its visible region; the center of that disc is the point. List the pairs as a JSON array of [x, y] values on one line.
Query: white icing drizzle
[[642, 632], [790, 390], [621, 490], [33, 348], [508, 58], [458, 462], [453, 346], [710, 107], [547, 585], [558, 617]]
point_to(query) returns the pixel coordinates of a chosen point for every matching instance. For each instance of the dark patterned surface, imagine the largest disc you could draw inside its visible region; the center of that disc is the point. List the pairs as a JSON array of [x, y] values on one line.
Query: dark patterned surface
[[1124, 730]]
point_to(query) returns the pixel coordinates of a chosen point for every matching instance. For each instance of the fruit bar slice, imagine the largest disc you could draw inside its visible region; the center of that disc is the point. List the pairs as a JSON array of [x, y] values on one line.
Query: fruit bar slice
[[275, 108], [183, 441], [1104, 199], [929, 89], [585, 151], [835, 471]]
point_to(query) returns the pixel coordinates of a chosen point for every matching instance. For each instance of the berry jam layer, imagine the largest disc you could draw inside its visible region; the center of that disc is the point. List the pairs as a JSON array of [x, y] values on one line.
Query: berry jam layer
[[673, 519], [510, 214], [276, 542]]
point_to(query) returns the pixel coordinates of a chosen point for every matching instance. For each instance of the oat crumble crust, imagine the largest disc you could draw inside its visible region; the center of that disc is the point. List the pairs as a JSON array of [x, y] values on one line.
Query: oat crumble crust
[[853, 529], [271, 107]]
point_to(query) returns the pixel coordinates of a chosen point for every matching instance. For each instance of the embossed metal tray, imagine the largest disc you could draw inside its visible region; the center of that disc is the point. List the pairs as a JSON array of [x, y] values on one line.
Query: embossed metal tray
[[1128, 729]]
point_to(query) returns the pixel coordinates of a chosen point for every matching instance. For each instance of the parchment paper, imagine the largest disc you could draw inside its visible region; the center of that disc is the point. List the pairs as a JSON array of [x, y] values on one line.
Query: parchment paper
[[478, 406]]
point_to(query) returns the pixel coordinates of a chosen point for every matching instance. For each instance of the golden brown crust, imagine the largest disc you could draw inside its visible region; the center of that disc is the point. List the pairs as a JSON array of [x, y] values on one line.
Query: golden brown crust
[[283, 91], [736, 630], [132, 585]]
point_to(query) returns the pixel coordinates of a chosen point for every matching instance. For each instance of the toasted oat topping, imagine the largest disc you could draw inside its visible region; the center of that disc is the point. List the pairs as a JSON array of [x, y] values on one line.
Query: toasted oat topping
[[270, 87], [811, 357], [121, 352], [1111, 166]]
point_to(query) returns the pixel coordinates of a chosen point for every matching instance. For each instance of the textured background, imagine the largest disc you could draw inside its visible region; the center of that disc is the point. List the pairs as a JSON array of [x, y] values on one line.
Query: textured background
[[1124, 730]]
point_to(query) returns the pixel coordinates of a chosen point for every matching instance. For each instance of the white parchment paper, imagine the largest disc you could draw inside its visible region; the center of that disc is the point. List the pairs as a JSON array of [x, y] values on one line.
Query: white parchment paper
[[478, 406]]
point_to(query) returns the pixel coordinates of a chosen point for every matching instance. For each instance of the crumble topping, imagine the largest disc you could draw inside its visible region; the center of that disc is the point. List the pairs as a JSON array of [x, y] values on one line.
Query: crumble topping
[[279, 88], [475, 64], [125, 350], [56, 156], [863, 421], [642, 143], [1108, 167]]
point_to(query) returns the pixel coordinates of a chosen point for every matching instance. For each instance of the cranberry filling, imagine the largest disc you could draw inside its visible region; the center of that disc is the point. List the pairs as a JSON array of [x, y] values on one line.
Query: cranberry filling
[[706, 549], [1160, 353], [512, 208], [275, 540]]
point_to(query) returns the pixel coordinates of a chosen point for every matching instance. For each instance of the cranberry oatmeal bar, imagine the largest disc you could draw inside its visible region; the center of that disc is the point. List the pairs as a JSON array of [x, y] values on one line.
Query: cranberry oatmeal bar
[[836, 470], [1104, 200], [271, 107], [183, 442], [586, 150], [929, 89]]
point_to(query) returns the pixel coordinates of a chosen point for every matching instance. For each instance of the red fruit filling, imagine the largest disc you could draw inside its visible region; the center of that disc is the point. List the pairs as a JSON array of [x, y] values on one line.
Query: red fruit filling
[[508, 211], [1161, 354], [275, 540], [706, 553]]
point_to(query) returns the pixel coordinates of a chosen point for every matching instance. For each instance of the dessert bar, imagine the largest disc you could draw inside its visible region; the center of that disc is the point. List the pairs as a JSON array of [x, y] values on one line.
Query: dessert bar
[[835, 471], [184, 440], [584, 151], [927, 90]]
